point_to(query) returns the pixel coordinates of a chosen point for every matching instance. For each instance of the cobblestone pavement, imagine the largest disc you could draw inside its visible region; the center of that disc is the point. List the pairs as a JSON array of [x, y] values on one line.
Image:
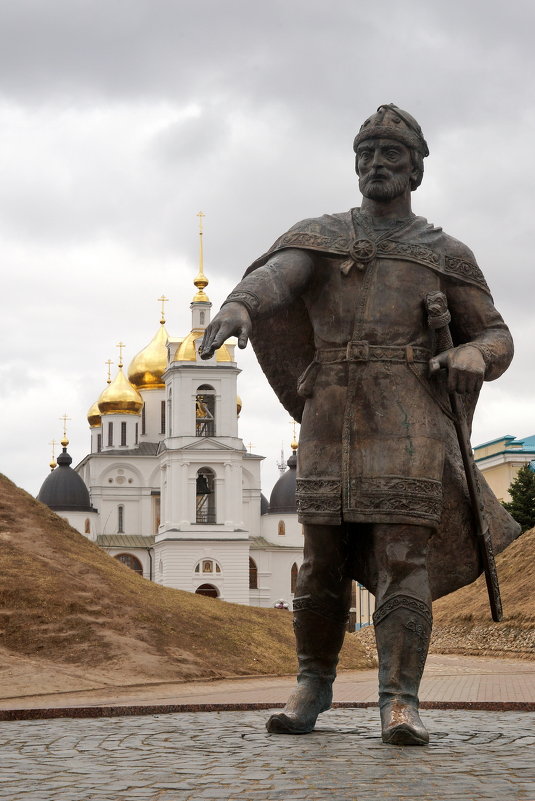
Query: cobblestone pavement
[[473, 756]]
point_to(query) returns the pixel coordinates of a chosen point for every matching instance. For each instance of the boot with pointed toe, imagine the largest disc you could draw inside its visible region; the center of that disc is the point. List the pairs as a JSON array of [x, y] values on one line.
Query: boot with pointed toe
[[319, 639], [402, 631]]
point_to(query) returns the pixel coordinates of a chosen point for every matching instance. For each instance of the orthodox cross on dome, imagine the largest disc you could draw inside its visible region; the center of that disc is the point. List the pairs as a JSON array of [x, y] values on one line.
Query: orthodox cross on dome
[[53, 462], [200, 280], [64, 420], [250, 445], [163, 300], [120, 345], [294, 444], [109, 363]]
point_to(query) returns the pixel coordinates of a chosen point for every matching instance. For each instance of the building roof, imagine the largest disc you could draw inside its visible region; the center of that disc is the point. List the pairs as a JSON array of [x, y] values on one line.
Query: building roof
[[260, 544], [143, 449], [63, 490], [124, 541], [513, 445], [282, 500]]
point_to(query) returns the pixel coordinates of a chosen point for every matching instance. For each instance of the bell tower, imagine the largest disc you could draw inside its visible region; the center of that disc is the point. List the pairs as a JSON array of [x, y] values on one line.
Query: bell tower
[[208, 479]]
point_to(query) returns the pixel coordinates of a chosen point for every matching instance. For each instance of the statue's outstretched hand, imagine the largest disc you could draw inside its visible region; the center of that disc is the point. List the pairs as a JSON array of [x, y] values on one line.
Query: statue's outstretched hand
[[232, 320], [465, 366]]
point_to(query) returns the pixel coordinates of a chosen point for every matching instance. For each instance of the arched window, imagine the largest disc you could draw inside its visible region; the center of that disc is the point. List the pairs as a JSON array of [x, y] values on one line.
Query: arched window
[[162, 417], [130, 561], [169, 420], [123, 433], [208, 590], [87, 527], [207, 566], [253, 575], [282, 528], [205, 411], [293, 577], [205, 496], [120, 520], [110, 434]]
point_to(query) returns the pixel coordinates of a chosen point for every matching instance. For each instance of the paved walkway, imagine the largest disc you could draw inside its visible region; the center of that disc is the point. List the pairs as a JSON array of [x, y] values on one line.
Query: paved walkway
[[226, 756], [447, 678]]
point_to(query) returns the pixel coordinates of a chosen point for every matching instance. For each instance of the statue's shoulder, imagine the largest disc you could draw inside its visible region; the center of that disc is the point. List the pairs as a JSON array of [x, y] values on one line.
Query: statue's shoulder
[[329, 233], [456, 259]]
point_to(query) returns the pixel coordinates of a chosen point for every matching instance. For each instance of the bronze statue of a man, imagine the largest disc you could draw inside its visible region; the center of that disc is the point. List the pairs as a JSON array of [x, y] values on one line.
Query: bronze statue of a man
[[336, 312]]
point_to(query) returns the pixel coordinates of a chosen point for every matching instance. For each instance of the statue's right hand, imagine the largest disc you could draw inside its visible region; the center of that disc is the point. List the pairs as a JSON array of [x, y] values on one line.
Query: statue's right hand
[[232, 320]]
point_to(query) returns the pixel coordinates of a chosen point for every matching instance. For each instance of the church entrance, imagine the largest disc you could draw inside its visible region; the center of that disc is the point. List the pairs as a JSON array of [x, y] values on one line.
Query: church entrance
[[207, 589]]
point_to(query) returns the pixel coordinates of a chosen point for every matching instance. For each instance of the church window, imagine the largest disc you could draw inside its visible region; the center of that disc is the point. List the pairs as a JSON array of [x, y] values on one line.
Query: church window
[[169, 415], [123, 433], [202, 317], [162, 417], [136, 434], [87, 527], [205, 496], [99, 443], [120, 520], [130, 561], [143, 421], [156, 511], [205, 411], [282, 528], [293, 577], [110, 434], [253, 575]]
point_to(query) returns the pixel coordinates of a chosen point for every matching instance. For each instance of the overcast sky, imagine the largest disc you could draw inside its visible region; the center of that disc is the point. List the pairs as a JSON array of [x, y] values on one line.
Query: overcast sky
[[121, 119]]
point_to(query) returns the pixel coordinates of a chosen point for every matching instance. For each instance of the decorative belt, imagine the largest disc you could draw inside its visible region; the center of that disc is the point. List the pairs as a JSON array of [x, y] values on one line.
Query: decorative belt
[[364, 352]]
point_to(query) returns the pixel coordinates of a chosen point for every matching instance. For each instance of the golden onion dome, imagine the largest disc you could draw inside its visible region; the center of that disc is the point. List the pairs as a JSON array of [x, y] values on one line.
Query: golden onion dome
[[148, 366], [239, 405], [120, 397], [186, 350], [93, 416]]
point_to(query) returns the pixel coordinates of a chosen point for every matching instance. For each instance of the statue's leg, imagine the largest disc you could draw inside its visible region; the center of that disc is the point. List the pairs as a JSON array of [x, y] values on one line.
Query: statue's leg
[[321, 605], [403, 621]]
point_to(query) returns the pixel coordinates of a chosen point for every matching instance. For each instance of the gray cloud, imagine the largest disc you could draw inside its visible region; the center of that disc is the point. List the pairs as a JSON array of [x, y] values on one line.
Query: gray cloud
[[120, 120]]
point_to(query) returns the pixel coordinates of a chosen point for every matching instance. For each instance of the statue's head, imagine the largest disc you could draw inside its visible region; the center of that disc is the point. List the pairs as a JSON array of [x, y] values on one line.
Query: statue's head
[[391, 123]]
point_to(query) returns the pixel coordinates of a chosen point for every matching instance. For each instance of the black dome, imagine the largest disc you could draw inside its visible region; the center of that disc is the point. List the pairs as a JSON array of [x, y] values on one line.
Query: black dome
[[264, 504], [64, 490], [282, 499]]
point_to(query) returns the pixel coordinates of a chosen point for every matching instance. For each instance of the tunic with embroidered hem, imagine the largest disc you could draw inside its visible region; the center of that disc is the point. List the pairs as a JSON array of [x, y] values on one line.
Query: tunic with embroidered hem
[[375, 444]]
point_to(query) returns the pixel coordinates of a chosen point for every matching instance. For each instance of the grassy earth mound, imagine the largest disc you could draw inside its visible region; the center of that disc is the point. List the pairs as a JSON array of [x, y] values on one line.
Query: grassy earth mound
[[65, 602]]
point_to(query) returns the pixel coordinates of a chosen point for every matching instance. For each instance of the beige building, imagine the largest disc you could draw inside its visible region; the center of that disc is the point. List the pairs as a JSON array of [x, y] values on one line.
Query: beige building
[[500, 460]]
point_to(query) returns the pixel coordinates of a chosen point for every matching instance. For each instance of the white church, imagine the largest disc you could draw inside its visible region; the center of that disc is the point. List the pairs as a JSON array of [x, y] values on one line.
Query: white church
[[168, 487]]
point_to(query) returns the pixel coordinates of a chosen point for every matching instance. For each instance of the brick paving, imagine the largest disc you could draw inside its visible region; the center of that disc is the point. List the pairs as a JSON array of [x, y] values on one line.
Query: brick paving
[[447, 678], [226, 756]]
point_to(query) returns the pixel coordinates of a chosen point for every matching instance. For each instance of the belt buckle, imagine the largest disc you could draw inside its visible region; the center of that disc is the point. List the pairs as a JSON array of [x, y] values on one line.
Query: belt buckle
[[357, 351]]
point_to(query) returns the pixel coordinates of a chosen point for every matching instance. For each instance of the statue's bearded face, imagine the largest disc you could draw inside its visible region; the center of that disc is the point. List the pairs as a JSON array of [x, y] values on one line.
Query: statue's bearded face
[[385, 168]]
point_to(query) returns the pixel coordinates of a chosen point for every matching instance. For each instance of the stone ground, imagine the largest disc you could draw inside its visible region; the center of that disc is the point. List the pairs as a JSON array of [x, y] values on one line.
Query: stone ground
[[226, 756]]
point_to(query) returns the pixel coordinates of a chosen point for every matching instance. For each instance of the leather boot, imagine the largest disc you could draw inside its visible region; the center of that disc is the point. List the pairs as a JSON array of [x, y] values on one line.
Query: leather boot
[[319, 636], [402, 632]]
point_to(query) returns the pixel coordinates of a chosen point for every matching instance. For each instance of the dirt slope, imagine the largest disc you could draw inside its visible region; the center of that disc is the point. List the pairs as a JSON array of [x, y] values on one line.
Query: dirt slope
[[65, 602], [462, 621]]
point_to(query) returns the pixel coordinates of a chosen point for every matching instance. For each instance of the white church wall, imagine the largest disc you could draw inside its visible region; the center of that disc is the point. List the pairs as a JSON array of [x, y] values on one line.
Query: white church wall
[[120, 431], [274, 575], [282, 529], [175, 564], [85, 523], [152, 415]]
